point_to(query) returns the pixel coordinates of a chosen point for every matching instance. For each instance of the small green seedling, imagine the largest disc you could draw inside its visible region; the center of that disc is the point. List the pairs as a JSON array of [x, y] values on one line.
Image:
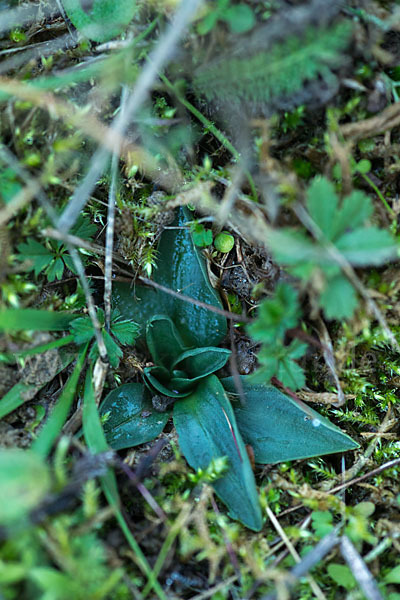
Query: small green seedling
[[183, 341], [340, 229]]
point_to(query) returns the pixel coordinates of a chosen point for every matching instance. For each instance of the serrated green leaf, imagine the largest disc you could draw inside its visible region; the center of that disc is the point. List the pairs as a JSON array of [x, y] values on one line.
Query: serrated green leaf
[[355, 210], [276, 315], [322, 204], [105, 20], [338, 299], [82, 330], [83, 228], [124, 330], [132, 419], [35, 252], [69, 263], [278, 428], [55, 269], [207, 430], [367, 246], [294, 248], [277, 359], [290, 374], [181, 268], [114, 352]]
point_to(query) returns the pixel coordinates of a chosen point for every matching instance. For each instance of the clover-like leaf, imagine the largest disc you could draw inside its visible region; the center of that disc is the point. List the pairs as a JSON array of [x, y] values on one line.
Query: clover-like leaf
[[207, 429], [180, 268], [278, 428], [131, 418]]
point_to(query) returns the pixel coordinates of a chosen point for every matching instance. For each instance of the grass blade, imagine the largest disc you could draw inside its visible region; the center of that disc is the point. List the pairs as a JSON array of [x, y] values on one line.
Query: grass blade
[[96, 441], [17, 395], [31, 319], [59, 343], [52, 428]]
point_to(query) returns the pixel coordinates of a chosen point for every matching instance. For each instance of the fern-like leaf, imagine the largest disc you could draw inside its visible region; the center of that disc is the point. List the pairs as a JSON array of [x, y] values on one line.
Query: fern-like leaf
[[271, 76]]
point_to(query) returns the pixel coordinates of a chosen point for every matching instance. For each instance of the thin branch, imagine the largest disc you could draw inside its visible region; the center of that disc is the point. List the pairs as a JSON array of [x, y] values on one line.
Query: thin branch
[[76, 241], [388, 465], [110, 226], [311, 559], [215, 309], [359, 569], [39, 50]]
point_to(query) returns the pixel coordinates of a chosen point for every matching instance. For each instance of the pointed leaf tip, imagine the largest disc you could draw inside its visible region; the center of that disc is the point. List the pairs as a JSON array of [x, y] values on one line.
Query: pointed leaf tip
[[207, 430], [280, 429]]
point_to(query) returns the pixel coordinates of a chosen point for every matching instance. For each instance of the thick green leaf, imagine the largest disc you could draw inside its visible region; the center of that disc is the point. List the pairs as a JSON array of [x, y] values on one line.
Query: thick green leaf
[[163, 341], [186, 372], [207, 429], [158, 379], [201, 362], [105, 20], [181, 268], [132, 419], [31, 319], [279, 428]]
